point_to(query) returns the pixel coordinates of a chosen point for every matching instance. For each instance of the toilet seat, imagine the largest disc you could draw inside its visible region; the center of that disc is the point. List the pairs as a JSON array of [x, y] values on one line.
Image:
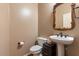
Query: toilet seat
[[35, 48]]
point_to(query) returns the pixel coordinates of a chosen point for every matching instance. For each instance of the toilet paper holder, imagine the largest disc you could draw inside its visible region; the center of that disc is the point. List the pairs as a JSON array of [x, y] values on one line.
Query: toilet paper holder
[[20, 44]]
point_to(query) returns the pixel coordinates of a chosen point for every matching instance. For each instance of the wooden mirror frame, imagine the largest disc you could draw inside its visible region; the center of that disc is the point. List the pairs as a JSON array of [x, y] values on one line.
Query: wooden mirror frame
[[72, 13]]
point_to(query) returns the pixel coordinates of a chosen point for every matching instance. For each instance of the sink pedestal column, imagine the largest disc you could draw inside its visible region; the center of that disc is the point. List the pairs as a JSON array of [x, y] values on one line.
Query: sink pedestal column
[[60, 48]]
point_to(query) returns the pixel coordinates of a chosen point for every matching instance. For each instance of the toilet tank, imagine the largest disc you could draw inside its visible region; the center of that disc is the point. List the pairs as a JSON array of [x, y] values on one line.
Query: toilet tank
[[41, 40]]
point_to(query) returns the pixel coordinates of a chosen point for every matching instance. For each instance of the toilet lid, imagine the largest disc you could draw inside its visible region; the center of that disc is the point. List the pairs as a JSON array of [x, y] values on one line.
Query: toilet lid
[[35, 48]]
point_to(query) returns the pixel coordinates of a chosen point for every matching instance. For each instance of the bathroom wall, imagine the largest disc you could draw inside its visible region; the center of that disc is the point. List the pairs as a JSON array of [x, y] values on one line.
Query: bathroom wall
[[44, 19], [4, 29], [45, 22], [24, 27]]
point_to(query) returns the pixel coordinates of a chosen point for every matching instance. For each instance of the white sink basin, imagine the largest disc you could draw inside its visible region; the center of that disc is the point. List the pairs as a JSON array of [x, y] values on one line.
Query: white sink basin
[[60, 42], [63, 39]]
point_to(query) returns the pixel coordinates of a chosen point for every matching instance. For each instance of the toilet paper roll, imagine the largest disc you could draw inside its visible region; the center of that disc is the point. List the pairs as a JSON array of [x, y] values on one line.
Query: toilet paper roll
[[21, 43]]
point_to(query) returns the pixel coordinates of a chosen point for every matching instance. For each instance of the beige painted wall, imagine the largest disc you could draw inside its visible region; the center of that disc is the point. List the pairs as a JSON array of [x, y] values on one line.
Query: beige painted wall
[[4, 29], [45, 27], [44, 16], [14, 27], [23, 28]]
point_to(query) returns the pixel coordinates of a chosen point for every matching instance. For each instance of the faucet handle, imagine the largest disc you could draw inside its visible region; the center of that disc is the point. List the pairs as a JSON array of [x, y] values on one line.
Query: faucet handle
[[65, 36], [57, 34]]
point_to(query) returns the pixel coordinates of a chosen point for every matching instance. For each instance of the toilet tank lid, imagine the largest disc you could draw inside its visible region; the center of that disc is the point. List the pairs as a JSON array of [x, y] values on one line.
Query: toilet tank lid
[[42, 38]]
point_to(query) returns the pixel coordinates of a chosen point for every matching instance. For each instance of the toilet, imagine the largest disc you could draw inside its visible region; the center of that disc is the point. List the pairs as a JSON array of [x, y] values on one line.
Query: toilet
[[36, 49]]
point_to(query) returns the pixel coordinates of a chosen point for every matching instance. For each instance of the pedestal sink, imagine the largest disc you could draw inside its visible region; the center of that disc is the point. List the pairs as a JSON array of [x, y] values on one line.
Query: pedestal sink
[[60, 42]]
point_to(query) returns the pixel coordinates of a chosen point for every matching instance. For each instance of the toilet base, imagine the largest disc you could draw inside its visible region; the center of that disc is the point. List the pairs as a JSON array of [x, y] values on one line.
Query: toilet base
[[30, 54]]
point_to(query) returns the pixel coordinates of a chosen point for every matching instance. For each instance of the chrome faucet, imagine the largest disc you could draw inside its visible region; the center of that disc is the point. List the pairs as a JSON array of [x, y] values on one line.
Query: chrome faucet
[[61, 34]]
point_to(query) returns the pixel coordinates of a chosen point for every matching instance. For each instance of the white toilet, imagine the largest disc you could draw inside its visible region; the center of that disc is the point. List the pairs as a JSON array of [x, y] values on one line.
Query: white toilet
[[36, 49]]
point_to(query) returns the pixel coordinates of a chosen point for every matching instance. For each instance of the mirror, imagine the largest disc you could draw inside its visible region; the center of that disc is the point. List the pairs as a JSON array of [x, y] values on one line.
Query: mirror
[[63, 16]]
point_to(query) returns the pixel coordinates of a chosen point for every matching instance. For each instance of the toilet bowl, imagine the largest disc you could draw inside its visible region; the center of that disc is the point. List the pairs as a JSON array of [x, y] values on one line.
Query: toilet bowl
[[36, 49]]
